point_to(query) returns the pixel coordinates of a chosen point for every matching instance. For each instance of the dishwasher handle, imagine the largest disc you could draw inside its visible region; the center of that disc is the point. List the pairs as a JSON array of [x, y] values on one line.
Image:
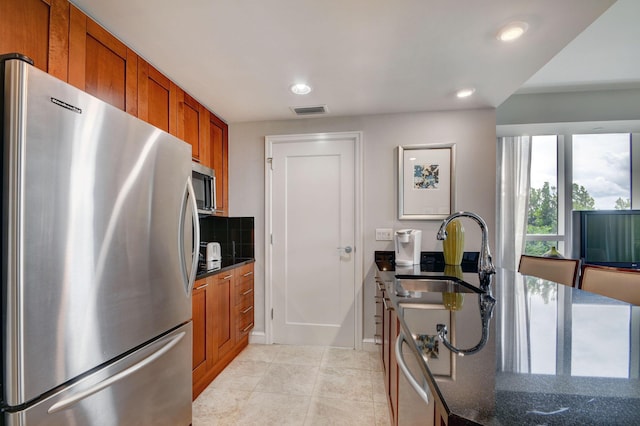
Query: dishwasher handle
[[405, 370]]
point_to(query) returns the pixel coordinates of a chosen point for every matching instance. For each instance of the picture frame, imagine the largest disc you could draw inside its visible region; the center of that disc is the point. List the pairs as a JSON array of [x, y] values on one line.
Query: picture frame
[[426, 181]]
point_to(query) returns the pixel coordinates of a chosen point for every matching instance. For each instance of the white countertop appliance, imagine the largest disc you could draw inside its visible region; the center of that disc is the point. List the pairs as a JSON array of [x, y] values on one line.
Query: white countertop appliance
[[100, 251], [408, 245], [212, 251], [210, 256]]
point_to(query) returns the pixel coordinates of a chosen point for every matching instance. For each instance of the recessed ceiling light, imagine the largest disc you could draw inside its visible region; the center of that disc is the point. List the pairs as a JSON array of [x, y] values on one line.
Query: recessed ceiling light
[[300, 89], [512, 31], [465, 93]]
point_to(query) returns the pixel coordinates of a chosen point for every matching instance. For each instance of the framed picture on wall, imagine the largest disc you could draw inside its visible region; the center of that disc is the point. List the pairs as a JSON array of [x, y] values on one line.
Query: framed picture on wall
[[426, 181]]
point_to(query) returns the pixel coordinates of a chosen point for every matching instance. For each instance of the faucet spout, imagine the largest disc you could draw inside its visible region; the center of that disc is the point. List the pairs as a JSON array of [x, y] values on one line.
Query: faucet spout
[[485, 264]]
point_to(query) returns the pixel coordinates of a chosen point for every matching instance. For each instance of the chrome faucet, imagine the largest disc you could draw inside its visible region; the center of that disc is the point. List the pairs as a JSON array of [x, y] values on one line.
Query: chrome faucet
[[485, 265]]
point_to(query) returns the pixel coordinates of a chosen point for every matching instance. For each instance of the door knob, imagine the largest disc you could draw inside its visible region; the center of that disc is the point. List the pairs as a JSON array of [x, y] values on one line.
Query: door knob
[[347, 249]]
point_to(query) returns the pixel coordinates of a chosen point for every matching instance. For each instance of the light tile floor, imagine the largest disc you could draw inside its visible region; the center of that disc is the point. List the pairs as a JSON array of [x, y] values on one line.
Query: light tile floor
[[296, 385]]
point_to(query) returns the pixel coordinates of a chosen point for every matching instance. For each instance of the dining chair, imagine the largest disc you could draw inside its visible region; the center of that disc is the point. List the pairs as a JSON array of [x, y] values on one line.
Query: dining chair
[[617, 283], [563, 271]]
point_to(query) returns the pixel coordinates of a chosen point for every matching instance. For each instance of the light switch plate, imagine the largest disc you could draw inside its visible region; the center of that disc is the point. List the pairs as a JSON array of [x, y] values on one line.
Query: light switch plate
[[384, 234]]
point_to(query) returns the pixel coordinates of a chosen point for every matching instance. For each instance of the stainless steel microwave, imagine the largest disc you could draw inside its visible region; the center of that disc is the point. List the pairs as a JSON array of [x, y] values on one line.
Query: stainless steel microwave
[[204, 186]]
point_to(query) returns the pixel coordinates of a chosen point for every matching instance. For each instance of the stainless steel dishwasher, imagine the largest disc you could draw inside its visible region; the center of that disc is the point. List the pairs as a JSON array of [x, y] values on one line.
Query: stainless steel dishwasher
[[415, 402]]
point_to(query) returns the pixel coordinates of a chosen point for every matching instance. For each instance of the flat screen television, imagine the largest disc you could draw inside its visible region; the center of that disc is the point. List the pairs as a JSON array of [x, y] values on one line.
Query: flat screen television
[[607, 237]]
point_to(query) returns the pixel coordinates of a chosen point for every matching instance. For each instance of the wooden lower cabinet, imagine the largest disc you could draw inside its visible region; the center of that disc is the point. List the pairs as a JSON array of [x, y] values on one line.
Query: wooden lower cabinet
[[225, 318], [244, 306], [221, 306], [204, 351], [394, 329]]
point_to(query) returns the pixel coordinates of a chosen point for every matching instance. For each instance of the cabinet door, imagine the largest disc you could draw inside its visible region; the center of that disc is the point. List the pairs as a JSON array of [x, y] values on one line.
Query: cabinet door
[[219, 148], [203, 314], [157, 98], [102, 65], [192, 120], [38, 29], [225, 313], [393, 365]]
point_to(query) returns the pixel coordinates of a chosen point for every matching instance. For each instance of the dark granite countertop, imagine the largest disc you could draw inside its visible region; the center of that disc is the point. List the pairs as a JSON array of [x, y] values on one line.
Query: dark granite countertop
[[555, 355], [225, 264]]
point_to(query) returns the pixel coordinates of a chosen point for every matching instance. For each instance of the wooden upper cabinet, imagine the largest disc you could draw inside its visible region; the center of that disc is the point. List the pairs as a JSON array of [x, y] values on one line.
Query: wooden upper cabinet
[[38, 29], [192, 121], [219, 155], [157, 98], [102, 65]]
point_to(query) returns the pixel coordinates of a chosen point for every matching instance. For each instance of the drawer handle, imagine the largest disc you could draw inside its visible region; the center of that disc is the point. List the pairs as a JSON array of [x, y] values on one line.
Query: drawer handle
[[247, 310], [384, 302], [201, 286], [247, 274], [227, 277], [247, 328], [247, 292]]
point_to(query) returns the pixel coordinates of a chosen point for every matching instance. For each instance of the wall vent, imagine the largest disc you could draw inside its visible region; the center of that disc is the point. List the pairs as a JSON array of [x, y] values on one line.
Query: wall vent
[[310, 110]]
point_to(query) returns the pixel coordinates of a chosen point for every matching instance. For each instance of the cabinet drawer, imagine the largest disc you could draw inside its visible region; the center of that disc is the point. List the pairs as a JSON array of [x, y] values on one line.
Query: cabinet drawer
[[244, 293], [244, 273], [244, 321]]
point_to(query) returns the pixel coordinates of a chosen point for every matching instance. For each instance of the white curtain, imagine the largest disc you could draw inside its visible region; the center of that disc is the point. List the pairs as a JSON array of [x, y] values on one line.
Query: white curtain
[[514, 162]]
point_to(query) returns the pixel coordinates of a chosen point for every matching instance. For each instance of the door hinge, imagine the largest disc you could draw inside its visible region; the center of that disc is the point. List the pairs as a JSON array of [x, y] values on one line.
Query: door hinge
[[271, 313], [271, 239], [270, 161]]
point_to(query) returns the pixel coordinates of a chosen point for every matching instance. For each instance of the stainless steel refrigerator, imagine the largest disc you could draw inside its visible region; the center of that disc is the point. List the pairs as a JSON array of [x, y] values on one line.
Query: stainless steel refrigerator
[[99, 242]]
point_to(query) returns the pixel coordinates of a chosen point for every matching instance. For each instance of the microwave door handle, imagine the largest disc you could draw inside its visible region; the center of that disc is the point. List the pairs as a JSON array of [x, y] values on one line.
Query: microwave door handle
[[214, 202]]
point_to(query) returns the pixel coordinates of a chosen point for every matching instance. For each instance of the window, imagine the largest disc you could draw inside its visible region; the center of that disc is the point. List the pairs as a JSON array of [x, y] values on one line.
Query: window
[[581, 172], [543, 214], [596, 174], [601, 172]]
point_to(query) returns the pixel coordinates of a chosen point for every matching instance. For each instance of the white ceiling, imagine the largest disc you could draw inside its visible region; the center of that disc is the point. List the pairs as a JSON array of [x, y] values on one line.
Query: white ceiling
[[604, 56], [239, 57]]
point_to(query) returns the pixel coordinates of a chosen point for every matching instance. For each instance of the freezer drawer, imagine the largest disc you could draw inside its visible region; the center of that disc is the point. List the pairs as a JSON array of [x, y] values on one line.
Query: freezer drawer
[[151, 386]]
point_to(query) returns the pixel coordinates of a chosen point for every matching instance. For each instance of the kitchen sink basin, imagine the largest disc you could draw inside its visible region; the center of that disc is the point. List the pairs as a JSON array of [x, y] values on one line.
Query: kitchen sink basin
[[414, 287]]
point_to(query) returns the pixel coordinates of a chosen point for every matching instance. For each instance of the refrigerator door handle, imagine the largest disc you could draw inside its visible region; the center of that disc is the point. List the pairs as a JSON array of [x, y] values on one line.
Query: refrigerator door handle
[[405, 370], [74, 399], [189, 201]]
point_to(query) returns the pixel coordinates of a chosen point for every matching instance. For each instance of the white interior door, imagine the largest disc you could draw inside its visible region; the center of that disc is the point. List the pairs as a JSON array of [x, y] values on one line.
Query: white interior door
[[313, 239]]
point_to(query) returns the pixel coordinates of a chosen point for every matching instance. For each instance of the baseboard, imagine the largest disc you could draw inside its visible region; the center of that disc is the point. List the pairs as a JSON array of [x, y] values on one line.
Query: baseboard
[[369, 345], [258, 337]]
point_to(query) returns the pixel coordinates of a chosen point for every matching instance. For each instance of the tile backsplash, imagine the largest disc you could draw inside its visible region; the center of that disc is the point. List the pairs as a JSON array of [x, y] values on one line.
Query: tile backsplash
[[235, 234]]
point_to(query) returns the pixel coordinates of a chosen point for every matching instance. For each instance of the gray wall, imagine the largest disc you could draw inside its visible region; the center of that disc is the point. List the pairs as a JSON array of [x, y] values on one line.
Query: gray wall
[[571, 107], [473, 131]]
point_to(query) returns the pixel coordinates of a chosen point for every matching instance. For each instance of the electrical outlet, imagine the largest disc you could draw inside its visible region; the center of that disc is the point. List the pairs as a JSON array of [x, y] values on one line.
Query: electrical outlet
[[384, 234]]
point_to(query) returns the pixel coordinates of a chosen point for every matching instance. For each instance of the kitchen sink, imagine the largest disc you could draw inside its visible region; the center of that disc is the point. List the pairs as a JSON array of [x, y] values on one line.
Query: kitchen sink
[[409, 286]]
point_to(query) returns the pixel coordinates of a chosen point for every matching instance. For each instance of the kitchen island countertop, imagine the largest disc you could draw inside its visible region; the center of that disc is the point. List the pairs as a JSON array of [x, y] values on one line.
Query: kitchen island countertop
[[555, 354]]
